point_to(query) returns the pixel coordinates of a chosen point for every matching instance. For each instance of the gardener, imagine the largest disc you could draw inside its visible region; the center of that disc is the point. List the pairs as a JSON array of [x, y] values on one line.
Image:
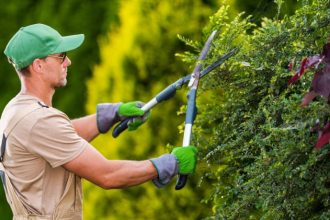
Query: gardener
[[44, 154]]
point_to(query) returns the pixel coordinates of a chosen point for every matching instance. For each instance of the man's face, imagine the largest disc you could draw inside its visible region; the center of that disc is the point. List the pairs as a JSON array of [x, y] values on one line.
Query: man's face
[[56, 70]]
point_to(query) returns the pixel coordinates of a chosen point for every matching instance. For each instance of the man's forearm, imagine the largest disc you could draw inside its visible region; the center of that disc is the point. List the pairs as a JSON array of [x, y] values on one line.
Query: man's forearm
[[111, 174], [124, 173], [86, 127]]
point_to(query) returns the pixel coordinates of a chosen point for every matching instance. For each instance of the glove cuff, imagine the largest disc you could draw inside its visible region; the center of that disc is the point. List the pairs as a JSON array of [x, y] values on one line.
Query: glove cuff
[[106, 116], [167, 167]]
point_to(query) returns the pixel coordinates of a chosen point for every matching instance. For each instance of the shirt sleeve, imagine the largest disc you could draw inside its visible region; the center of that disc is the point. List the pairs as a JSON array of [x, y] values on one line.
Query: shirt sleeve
[[54, 139]]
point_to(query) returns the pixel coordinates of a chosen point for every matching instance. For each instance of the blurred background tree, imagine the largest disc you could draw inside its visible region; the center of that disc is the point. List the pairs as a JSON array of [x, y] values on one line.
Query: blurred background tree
[[137, 62]]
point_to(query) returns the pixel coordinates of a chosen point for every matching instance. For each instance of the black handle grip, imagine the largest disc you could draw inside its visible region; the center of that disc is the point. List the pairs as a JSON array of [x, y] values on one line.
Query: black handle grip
[[122, 126], [181, 182]]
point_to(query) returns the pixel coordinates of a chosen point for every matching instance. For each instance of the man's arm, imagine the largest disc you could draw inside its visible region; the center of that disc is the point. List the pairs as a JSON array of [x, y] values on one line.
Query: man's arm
[[108, 114], [86, 127], [109, 174]]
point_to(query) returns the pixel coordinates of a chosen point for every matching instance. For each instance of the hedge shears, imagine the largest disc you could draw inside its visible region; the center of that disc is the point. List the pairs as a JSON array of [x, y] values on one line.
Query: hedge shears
[[170, 91]]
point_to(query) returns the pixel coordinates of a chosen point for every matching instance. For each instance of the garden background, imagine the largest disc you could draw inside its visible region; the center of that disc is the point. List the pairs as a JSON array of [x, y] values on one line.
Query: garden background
[[257, 158]]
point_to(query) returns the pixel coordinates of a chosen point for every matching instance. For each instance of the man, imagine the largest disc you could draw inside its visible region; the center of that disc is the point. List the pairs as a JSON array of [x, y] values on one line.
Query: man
[[44, 154]]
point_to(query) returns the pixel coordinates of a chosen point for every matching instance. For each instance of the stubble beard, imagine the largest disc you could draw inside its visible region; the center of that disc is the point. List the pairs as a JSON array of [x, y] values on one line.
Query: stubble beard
[[61, 84]]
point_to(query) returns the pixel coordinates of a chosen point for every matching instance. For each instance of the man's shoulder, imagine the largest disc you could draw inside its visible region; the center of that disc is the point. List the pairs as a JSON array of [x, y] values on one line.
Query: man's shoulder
[[31, 110], [22, 103]]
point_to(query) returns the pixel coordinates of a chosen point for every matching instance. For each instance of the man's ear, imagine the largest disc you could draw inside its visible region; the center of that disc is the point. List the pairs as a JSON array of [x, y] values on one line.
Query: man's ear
[[37, 65]]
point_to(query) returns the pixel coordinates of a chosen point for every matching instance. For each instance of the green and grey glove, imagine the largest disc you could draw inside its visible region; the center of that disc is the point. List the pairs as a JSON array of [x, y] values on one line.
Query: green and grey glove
[[108, 114], [133, 109], [182, 160]]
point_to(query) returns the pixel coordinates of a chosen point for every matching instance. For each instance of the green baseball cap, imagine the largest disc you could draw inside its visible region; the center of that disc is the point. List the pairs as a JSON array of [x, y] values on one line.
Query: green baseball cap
[[38, 41]]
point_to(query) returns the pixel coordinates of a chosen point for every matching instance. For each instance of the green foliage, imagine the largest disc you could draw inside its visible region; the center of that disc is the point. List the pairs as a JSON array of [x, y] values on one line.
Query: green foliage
[[255, 139], [265, 8], [138, 62], [256, 148]]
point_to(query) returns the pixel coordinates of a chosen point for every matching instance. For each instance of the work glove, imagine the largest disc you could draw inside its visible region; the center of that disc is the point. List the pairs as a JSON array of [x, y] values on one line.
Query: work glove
[[182, 160], [108, 114], [133, 109]]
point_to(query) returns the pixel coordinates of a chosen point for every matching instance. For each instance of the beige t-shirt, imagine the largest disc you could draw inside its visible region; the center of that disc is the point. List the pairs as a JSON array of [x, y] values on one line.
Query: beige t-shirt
[[36, 148]]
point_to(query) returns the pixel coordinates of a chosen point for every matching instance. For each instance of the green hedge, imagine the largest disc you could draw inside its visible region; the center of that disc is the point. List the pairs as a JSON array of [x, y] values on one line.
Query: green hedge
[[255, 139]]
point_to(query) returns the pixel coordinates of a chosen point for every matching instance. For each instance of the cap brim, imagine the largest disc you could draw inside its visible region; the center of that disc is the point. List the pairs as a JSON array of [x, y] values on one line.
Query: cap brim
[[70, 43]]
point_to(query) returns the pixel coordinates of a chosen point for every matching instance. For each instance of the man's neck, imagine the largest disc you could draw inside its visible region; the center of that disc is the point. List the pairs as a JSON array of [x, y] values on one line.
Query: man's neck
[[43, 96], [36, 86]]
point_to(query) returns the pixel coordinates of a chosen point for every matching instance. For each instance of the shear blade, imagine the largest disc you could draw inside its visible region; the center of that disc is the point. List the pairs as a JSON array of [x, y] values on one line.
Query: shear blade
[[192, 80]]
